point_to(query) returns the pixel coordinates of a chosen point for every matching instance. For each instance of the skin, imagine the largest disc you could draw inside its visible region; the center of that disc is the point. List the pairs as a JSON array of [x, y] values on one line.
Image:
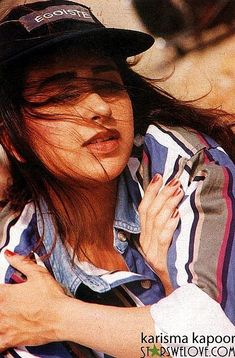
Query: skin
[[62, 314], [93, 111], [22, 310], [4, 180]]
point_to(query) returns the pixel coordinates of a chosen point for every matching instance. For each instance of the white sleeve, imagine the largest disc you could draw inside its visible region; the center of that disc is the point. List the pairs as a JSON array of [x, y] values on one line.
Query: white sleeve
[[190, 318]]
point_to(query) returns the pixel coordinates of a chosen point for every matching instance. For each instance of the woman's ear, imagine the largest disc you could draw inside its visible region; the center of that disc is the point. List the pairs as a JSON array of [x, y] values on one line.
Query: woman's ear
[[10, 148]]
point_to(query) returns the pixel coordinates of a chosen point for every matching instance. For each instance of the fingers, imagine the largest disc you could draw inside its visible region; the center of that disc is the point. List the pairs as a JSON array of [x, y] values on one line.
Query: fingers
[[151, 192], [156, 246], [23, 264], [158, 206], [149, 196], [159, 217], [166, 234], [166, 198], [168, 208]]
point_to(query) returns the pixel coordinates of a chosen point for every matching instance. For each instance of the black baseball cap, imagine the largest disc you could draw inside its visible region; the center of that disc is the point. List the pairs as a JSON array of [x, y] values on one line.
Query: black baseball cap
[[30, 28]]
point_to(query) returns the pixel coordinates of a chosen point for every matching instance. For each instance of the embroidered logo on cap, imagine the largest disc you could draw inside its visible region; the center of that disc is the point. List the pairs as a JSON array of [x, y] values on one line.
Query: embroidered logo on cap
[[54, 13]]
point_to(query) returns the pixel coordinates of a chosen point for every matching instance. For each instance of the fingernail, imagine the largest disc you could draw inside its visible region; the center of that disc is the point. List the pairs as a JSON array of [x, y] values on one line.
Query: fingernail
[[9, 253], [175, 214], [173, 182], [177, 192], [155, 178]]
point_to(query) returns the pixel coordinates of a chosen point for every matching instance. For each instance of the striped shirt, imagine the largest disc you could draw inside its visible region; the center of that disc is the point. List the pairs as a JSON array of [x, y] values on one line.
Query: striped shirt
[[203, 247]]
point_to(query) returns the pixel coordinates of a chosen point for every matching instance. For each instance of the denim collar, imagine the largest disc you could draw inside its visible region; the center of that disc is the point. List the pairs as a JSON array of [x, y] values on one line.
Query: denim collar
[[128, 198], [126, 218]]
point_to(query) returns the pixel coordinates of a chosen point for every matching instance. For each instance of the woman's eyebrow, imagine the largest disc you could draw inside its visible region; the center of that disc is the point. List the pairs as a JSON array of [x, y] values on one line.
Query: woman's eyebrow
[[57, 78], [72, 75]]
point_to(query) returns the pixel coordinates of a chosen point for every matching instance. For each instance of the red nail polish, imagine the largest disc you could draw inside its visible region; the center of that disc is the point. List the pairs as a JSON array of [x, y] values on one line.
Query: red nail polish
[[173, 182], [155, 178], [9, 253], [18, 277]]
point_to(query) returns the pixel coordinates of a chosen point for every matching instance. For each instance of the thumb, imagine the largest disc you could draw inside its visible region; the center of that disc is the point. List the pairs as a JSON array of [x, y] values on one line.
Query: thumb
[[21, 263]]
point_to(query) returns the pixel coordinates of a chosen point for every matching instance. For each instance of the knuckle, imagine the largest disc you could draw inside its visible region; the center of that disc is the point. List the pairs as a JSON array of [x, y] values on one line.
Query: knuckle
[[167, 235], [164, 238], [151, 214], [157, 224]]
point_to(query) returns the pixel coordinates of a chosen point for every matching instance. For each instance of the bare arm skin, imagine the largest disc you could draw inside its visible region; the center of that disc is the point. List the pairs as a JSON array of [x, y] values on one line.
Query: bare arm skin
[[38, 312]]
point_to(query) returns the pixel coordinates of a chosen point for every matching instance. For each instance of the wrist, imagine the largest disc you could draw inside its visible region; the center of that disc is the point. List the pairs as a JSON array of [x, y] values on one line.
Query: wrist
[[66, 325]]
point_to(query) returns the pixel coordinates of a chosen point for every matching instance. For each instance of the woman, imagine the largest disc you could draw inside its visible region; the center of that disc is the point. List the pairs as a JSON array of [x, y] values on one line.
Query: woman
[[68, 127]]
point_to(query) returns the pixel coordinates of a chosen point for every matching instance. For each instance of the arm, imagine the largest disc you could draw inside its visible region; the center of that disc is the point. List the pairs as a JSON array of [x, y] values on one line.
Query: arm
[[38, 312], [115, 331]]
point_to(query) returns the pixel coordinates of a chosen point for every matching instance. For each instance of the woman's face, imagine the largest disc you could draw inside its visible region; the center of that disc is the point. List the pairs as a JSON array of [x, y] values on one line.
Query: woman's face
[[85, 131]]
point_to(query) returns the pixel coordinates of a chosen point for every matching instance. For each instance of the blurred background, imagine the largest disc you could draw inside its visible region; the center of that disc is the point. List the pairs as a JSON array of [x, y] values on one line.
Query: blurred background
[[194, 48]]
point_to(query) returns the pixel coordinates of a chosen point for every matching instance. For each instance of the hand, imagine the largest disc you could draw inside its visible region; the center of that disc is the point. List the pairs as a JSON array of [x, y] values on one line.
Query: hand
[[29, 310], [159, 218]]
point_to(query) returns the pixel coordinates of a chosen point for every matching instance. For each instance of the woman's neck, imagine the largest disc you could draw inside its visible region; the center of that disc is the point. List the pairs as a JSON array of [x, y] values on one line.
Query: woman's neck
[[92, 238], [102, 199], [92, 206]]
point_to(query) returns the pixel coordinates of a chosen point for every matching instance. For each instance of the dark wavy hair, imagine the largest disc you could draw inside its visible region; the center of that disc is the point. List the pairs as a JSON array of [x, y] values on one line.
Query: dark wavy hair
[[33, 181]]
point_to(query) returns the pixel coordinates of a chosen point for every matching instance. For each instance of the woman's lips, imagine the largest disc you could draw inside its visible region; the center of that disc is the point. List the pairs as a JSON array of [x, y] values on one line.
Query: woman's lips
[[107, 146], [103, 142]]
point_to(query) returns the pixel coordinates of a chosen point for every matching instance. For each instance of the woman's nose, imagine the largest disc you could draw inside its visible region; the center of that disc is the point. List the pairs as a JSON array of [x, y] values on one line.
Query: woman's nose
[[94, 107]]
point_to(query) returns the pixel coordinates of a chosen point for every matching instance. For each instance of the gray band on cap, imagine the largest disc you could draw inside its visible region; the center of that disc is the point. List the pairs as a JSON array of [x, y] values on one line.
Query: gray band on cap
[[54, 13]]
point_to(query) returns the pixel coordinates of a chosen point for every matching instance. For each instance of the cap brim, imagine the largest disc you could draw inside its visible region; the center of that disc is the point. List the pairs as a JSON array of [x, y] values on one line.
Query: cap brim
[[118, 42]]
